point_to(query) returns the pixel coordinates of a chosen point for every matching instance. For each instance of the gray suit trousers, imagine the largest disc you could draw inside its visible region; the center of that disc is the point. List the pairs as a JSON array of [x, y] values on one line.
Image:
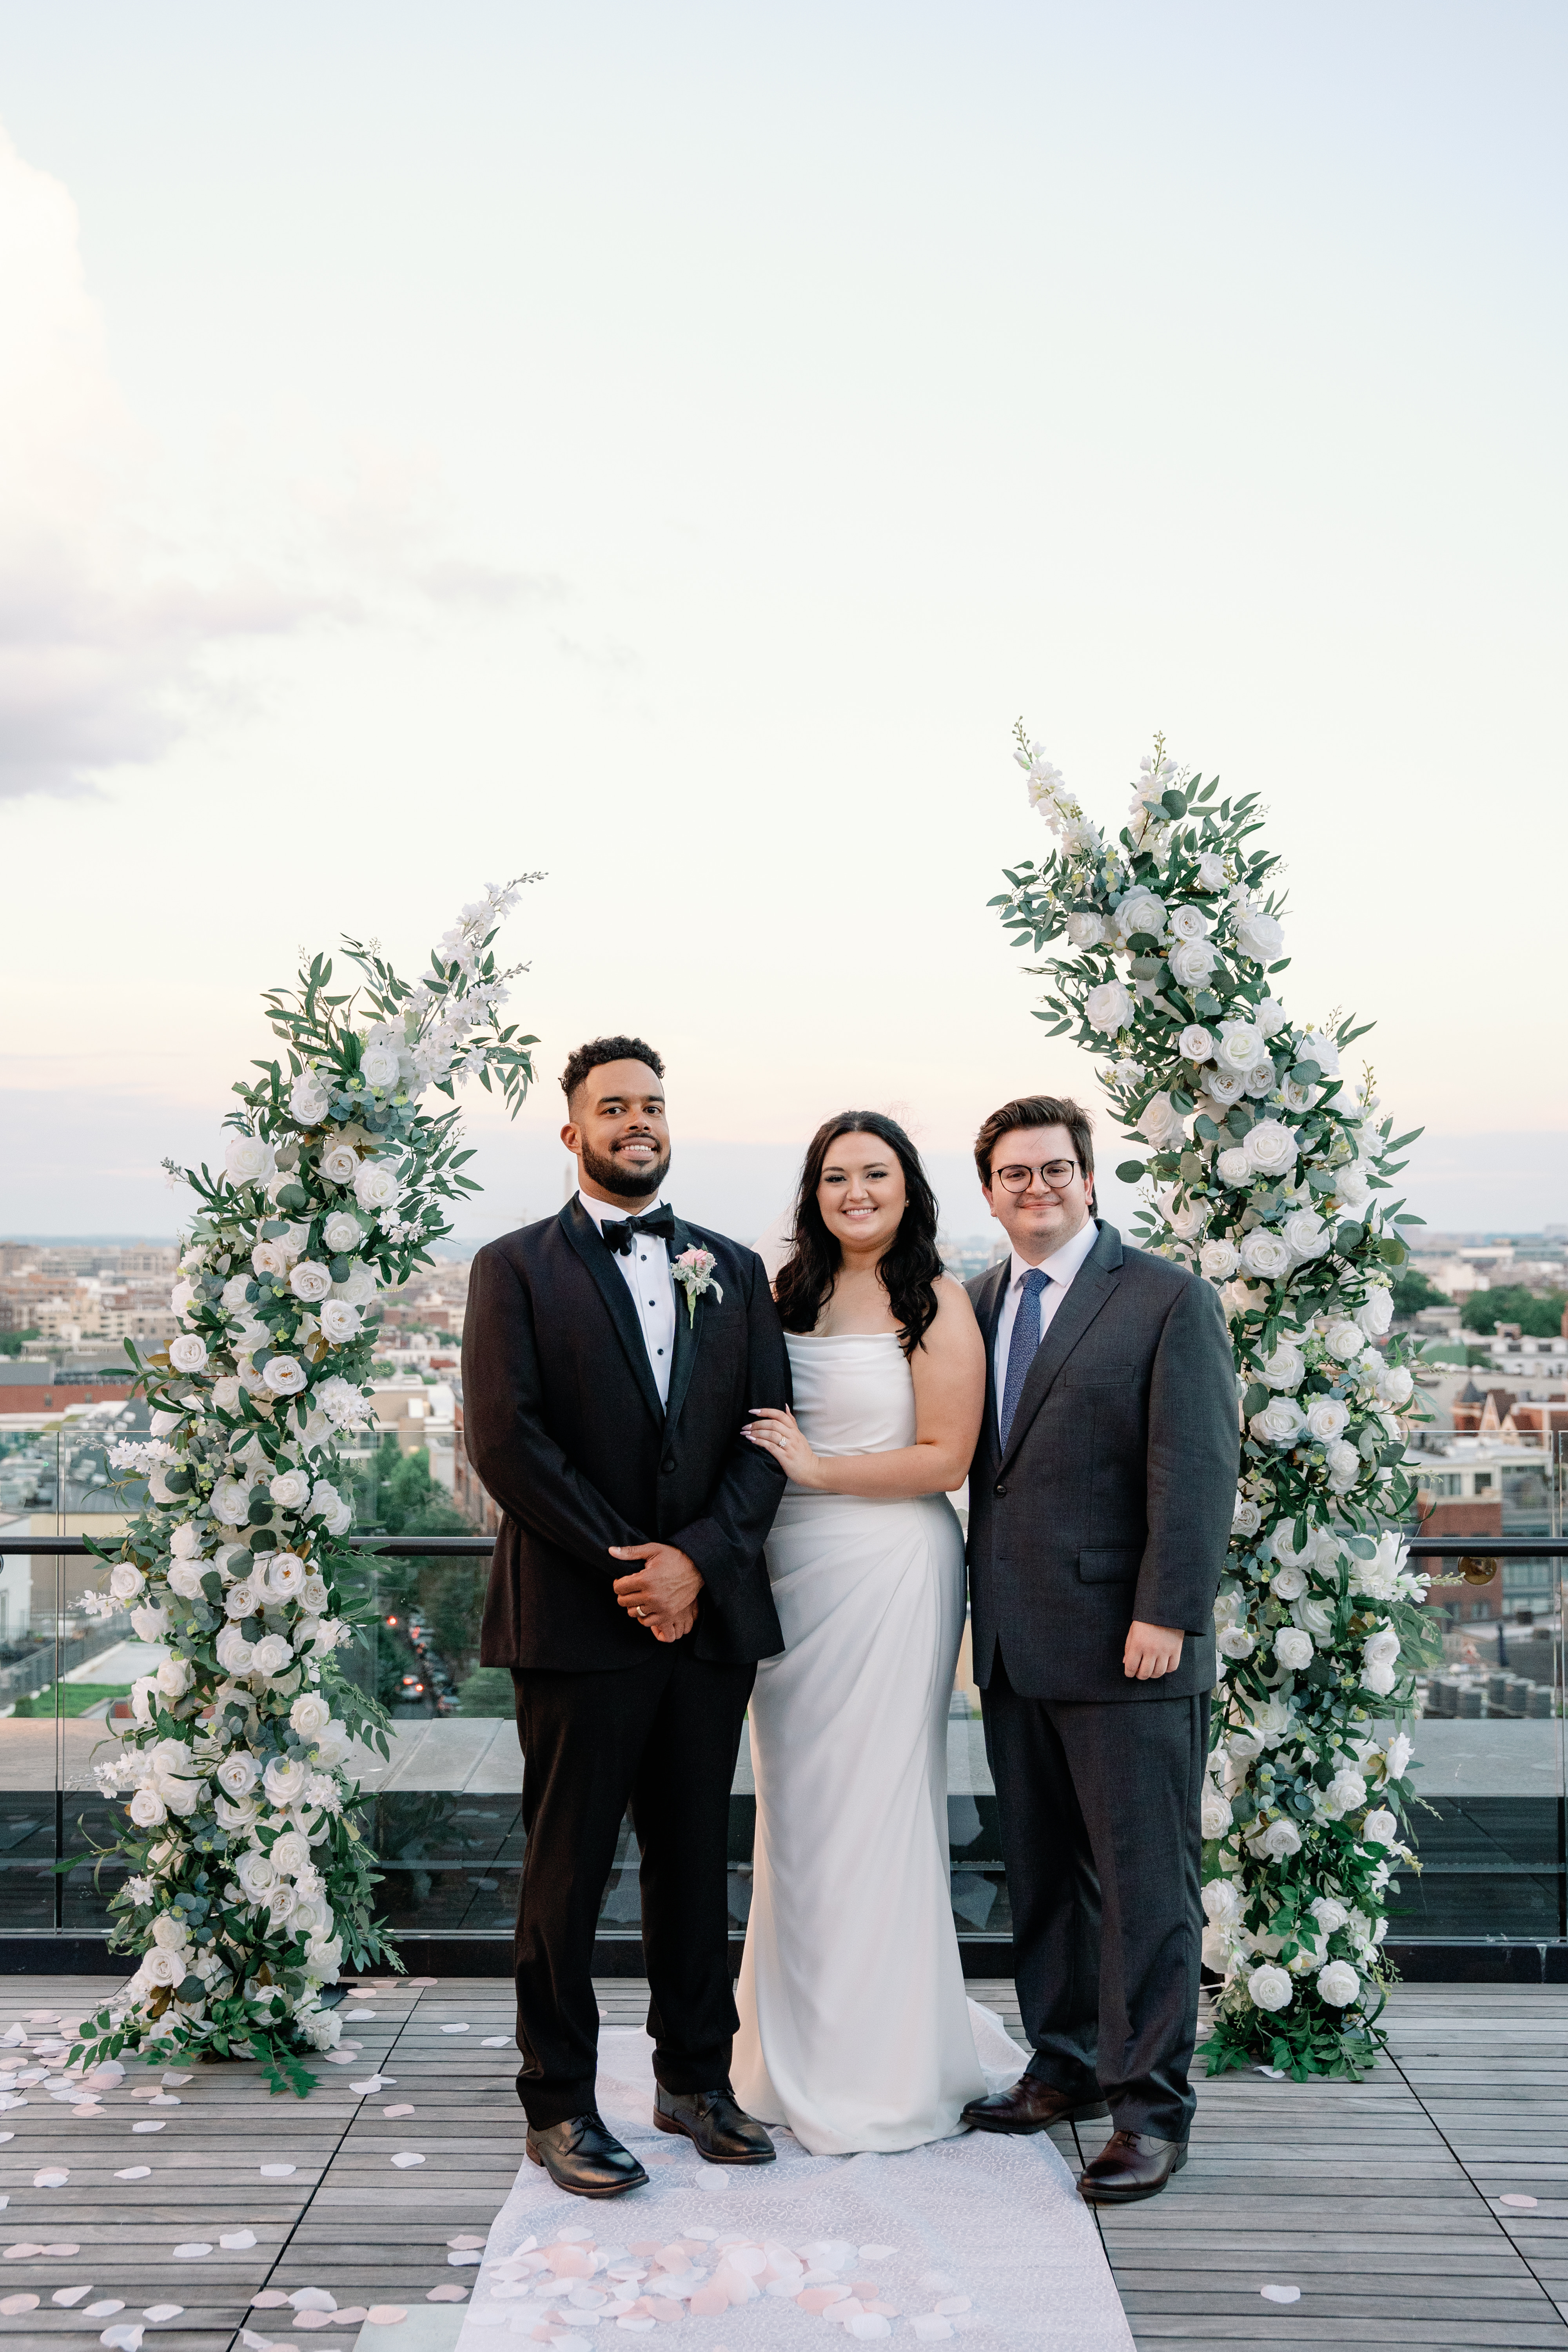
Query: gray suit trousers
[[1099, 1806]]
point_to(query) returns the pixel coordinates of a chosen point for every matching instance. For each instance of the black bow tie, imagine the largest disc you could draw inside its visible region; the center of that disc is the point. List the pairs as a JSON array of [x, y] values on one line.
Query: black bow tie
[[618, 1231]]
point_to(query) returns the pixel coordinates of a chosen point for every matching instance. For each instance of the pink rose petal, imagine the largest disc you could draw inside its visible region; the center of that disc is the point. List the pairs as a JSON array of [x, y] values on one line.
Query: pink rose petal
[[13, 2306], [386, 2315], [447, 2294], [401, 2109], [1513, 2197]]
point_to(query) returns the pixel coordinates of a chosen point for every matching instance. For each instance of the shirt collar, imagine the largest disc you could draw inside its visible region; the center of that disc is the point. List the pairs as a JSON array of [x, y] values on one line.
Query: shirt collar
[[1063, 1264], [600, 1210]]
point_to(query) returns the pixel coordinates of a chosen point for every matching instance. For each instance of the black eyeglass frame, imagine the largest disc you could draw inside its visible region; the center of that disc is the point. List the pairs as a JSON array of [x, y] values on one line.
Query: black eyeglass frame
[[1043, 1169]]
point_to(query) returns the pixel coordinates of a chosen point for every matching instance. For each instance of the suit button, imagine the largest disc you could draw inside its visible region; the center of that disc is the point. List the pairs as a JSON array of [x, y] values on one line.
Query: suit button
[[669, 1462], [1001, 1490]]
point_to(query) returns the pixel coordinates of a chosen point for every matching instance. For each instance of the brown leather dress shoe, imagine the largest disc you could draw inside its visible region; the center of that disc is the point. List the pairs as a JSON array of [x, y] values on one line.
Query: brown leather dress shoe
[[1130, 2165], [715, 2124], [581, 2156], [1032, 2105]]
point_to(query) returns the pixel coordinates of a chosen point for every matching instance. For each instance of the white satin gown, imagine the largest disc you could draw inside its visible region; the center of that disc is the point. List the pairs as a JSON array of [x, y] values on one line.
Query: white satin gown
[[855, 2027]]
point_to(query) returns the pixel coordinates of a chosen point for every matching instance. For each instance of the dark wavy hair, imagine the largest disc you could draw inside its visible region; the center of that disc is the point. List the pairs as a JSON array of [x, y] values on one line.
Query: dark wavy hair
[[909, 1267]]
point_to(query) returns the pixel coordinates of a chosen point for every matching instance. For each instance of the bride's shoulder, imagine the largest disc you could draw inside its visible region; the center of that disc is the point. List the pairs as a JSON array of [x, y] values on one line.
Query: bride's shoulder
[[955, 1309]]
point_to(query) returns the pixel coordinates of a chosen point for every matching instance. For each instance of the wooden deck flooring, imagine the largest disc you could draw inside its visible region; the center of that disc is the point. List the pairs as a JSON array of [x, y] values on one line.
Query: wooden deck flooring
[[1379, 2200]]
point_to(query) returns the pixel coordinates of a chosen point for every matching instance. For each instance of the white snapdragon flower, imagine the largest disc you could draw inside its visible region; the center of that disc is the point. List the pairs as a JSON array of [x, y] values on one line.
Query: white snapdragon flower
[[1327, 1418], [249, 1161], [1085, 930], [1265, 1255], [1293, 1649], [1270, 1987], [1108, 1008], [340, 1164], [1271, 1146], [1218, 1259], [290, 1489], [1338, 1984], [1258, 935], [1192, 961], [1195, 1044]]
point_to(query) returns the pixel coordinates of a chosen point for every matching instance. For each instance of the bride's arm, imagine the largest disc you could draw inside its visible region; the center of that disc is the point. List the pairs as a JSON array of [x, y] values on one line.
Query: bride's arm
[[948, 1373]]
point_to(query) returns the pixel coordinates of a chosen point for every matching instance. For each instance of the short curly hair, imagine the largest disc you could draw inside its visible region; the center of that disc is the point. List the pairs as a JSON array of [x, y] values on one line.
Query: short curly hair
[[592, 1057]]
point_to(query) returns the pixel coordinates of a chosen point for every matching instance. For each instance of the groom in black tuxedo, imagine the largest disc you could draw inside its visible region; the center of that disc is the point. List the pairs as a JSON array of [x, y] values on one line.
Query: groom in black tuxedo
[[604, 1393], [1100, 1502]]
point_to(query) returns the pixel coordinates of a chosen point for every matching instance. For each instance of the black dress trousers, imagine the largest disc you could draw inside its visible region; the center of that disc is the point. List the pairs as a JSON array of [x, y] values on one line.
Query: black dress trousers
[[662, 1738], [1100, 1813]]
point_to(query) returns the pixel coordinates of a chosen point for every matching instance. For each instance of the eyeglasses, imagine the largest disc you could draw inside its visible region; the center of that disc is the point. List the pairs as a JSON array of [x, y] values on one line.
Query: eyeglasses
[[1055, 1175]]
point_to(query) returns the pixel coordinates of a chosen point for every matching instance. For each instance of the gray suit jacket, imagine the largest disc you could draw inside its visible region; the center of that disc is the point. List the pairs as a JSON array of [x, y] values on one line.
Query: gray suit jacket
[[1114, 1498]]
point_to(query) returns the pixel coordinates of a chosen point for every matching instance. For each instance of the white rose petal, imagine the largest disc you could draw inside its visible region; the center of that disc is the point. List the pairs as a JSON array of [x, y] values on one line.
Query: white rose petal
[[249, 1161], [340, 1164], [1108, 1008], [1265, 1255], [1271, 1146], [1192, 961], [284, 1375], [339, 1321], [1194, 1043], [310, 1280], [1259, 936], [1338, 1984], [1218, 1259], [1270, 1988], [1233, 1166], [1326, 1419], [1293, 1649]]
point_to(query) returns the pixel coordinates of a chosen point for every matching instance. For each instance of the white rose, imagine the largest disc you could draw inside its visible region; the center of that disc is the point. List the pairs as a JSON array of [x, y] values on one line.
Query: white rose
[[1280, 1423], [1211, 871], [1263, 1254], [1351, 1188], [1381, 1648], [1270, 1987], [256, 1875], [1246, 1518], [309, 1714], [1214, 1812], [1195, 1044], [1223, 1087], [1192, 961], [1218, 1259], [1161, 1122], [125, 1582], [187, 1353], [285, 1376], [1394, 1383], [1338, 1984], [1085, 930], [1258, 935], [1315, 1617], [313, 1594], [1344, 1340], [241, 1598], [339, 1321], [340, 1165], [1271, 1146], [1189, 1221], [377, 1186], [308, 1099], [174, 1677], [147, 1810], [1330, 1914], [342, 1232], [1279, 1839], [1397, 1754], [226, 1393], [1380, 1828], [286, 1574], [1239, 1045], [1318, 1046], [1233, 1166], [1288, 1582], [1188, 923], [1141, 912], [379, 1068], [1233, 1642], [290, 1489], [285, 1782], [1222, 1900], [1307, 1233], [1261, 1080], [237, 1775], [186, 1541], [267, 1258], [1128, 1073], [236, 1655], [249, 1161], [1326, 1419], [1343, 1464], [150, 1625], [310, 1280], [1285, 1368], [1108, 1008], [1293, 1649], [1376, 1313], [273, 1655], [291, 1852], [231, 1501]]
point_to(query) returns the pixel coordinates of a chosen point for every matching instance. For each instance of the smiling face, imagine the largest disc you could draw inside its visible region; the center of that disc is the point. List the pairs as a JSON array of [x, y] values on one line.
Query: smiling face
[[618, 1133], [861, 1192], [1040, 1214]]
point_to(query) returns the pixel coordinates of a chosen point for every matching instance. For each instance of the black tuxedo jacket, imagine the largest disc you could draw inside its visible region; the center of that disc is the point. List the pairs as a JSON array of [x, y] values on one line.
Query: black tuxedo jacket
[[563, 1425], [1114, 1498]]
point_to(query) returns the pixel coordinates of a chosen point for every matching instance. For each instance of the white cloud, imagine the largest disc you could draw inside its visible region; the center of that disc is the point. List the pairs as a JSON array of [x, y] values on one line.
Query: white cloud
[[113, 628]]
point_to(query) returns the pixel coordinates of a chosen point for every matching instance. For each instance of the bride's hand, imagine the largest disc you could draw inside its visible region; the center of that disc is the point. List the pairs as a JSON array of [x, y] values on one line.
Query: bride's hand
[[779, 1433]]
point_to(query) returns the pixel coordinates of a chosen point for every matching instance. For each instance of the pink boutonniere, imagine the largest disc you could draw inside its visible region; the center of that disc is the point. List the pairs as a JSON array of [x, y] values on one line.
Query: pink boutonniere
[[693, 1269]]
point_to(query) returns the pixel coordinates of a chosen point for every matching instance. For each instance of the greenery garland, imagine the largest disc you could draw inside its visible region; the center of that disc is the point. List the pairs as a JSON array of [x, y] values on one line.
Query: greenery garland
[[250, 1882], [1267, 1177]]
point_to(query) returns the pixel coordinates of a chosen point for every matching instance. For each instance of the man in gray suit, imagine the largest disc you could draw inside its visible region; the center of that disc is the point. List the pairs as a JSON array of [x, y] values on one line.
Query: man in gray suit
[[1100, 1502]]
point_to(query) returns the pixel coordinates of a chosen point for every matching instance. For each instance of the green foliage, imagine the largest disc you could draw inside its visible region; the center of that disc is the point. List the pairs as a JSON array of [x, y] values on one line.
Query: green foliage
[[12, 1342], [488, 1691], [1414, 1291], [1538, 1318], [68, 1698]]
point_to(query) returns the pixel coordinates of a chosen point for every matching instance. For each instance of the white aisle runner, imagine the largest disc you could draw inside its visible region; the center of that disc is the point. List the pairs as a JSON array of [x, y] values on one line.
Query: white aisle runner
[[982, 2234]]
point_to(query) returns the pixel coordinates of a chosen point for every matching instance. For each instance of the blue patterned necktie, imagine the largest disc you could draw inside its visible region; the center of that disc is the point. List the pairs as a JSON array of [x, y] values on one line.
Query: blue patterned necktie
[[1021, 1347]]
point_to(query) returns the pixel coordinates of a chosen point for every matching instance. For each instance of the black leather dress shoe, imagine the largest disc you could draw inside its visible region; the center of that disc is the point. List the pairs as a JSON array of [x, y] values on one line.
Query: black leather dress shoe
[[1130, 2165], [1032, 2105], [717, 2127], [581, 2156]]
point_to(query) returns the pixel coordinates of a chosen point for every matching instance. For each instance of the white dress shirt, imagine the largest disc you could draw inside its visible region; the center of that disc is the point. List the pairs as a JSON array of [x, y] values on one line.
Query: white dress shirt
[[646, 1266], [1061, 1267]]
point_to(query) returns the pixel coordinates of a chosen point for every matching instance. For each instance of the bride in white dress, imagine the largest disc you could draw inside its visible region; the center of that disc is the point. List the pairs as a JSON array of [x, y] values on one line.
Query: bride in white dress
[[855, 2027]]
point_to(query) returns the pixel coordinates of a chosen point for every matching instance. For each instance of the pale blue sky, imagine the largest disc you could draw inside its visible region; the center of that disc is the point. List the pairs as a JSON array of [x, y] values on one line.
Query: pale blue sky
[[669, 446]]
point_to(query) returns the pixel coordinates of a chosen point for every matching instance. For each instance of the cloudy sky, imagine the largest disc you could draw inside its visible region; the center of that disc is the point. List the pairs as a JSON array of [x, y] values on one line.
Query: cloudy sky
[[669, 447]]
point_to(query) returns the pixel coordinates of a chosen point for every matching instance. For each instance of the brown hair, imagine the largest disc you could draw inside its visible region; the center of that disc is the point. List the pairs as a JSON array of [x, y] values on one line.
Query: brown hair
[[1035, 1110]]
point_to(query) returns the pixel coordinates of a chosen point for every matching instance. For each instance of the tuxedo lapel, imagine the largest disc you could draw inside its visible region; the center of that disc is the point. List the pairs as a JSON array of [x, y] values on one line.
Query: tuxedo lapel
[[688, 1330], [988, 1314], [1092, 1284], [599, 1258]]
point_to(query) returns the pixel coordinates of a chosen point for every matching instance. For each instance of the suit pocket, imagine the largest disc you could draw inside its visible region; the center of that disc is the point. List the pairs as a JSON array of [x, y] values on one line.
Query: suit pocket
[[1112, 1564]]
